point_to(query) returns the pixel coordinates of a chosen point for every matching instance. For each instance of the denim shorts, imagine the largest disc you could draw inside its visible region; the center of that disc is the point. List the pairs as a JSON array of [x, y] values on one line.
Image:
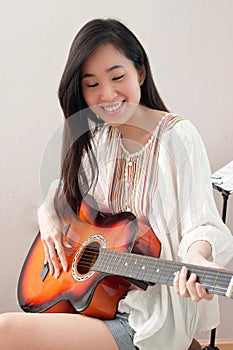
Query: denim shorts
[[121, 331]]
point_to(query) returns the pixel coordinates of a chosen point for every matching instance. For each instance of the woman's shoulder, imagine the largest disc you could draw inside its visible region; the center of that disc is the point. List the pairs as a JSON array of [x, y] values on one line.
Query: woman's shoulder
[[182, 134], [178, 124]]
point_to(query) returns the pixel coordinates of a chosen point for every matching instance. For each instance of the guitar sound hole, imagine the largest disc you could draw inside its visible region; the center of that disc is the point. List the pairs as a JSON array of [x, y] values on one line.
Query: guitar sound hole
[[88, 257]]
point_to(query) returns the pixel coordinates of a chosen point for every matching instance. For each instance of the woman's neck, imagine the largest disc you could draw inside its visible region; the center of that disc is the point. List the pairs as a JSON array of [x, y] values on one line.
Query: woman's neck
[[136, 133]]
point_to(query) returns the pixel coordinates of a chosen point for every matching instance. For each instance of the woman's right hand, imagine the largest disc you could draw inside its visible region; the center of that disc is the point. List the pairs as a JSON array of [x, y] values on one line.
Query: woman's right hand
[[53, 240]]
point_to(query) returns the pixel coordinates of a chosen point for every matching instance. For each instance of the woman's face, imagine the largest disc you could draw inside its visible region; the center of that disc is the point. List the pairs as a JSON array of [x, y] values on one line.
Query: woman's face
[[111, 84]]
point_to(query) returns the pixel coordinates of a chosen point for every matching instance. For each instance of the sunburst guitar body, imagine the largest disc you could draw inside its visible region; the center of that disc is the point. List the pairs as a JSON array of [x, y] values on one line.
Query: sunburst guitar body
[[84, 288], [109, 254]]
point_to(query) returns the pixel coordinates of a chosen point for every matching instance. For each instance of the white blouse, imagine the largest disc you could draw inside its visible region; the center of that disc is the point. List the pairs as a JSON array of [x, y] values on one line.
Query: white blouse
[[182, 211]]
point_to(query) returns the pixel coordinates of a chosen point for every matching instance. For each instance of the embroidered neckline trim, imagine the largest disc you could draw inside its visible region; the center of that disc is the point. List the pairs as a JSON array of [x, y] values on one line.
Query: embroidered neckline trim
[[149, 142]]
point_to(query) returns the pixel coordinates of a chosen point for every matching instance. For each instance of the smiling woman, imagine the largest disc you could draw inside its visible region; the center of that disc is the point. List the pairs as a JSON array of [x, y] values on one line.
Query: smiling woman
[[109, 80], [134, 177]]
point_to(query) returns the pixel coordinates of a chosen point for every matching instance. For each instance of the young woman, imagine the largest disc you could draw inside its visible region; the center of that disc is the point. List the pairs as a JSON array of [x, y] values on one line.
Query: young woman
[[125, 149]]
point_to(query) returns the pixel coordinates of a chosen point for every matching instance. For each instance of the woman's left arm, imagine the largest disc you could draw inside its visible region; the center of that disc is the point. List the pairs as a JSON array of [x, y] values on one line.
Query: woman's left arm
[[206, 241], [198, 254]]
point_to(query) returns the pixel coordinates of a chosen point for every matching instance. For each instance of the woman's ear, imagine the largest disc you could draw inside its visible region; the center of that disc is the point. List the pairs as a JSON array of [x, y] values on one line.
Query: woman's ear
[[141, 75]]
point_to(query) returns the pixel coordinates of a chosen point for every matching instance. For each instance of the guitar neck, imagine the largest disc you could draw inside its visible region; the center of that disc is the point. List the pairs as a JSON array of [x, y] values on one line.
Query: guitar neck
[[155, 270]]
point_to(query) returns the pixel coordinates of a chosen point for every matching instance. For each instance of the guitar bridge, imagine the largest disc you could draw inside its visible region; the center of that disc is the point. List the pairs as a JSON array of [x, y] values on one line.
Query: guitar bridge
[[44, 272]]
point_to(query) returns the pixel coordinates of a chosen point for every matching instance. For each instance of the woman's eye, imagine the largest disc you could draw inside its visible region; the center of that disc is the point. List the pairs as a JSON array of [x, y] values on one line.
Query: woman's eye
[[92, 85], [119, 77]]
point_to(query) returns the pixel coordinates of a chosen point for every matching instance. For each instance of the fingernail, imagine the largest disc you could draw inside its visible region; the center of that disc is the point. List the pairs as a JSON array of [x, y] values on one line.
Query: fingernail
[[184, 270], [67, 245], [193, 276]]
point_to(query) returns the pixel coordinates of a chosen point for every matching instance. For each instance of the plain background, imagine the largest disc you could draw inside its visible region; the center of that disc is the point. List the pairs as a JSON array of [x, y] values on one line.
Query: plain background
[[190, 47]]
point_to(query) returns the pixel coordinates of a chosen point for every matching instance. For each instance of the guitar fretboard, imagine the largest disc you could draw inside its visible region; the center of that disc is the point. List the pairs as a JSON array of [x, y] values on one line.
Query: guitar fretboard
[[155, 270]]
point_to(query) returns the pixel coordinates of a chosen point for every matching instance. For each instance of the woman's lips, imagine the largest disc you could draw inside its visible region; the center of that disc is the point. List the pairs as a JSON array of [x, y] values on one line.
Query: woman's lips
[[113, 107]]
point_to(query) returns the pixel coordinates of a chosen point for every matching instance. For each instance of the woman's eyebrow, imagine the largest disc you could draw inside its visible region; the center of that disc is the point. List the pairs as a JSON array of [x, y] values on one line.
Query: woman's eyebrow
[[116, 66]]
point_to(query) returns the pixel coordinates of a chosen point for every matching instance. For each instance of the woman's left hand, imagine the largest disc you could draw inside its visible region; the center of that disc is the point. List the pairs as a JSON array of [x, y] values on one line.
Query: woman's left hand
[[189, 287]]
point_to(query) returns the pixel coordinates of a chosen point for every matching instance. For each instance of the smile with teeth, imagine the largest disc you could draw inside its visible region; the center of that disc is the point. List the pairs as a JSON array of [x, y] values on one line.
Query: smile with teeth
[[113, 108]]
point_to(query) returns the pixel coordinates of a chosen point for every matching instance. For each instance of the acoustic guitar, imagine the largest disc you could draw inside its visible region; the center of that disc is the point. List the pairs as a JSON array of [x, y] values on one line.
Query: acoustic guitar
[[108, 254]]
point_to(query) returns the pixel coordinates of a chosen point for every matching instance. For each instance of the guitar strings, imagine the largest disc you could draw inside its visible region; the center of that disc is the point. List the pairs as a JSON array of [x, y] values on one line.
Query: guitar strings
[[209, 273], [164, 265]]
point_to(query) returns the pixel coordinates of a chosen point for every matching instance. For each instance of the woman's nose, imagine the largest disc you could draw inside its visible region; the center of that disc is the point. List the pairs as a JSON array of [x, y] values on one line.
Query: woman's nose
[[107, 93]]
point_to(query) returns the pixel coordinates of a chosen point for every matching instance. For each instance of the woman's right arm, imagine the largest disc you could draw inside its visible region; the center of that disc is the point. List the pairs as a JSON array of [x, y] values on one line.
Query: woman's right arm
[[52, 236]]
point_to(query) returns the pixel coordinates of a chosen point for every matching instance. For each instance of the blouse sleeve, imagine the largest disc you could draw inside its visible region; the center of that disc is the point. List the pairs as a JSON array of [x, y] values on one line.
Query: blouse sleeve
[[200, 219]]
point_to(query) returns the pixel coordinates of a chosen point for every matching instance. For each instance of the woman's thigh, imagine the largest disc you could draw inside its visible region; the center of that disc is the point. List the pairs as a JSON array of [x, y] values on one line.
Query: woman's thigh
[[25, 331]]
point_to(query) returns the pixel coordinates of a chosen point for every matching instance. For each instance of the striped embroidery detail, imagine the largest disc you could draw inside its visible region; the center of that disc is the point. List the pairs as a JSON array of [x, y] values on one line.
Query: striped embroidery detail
[[133, 178], [173, 121]]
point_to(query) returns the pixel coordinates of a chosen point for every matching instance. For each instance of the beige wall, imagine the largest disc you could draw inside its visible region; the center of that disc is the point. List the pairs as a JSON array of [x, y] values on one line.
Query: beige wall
[[191, 51]]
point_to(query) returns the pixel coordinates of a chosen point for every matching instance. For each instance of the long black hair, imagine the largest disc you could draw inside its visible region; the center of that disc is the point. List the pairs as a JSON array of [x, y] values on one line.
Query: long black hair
[[77, 134]]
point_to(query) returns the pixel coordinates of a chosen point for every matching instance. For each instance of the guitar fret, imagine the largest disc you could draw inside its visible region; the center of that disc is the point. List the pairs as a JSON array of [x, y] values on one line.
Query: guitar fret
[[202, 278], [126, 264], [156, 271], [102, 260], [150, 277], [209, 282], [144, 268], [114, 261], [213, 286], [131, 266], [138, 268], [108, 258], [147, 274], [170, 275], [160, 272], [115, 265], [123, 264]]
